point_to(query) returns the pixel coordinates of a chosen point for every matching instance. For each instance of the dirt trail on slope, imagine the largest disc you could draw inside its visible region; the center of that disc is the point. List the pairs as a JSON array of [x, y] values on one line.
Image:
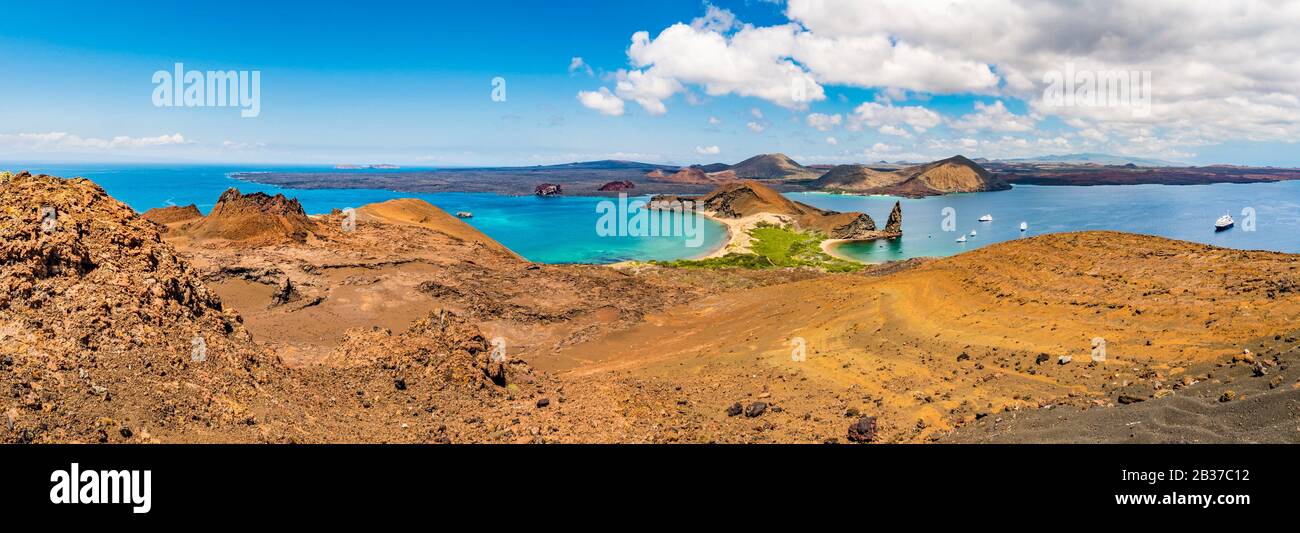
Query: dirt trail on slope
[[957, 340]]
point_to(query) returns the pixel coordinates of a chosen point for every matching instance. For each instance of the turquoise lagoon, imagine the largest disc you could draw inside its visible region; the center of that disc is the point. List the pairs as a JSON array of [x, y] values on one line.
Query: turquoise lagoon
[[562, 230]]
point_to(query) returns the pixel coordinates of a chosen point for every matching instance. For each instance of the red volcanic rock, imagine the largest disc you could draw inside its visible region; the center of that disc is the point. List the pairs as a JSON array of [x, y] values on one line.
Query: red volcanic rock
[[172, 214], [257, 216]]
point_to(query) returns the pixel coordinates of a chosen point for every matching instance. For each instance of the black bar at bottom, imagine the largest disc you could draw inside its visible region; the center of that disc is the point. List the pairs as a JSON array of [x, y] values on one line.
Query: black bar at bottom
[[321, 482]]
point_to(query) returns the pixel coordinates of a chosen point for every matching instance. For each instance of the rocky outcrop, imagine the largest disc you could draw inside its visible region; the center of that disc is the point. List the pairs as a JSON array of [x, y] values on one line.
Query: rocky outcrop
[[284, 293], [548, 189], [107, 334], [440, 345], [102, 320], [858, 227], [257, 217]]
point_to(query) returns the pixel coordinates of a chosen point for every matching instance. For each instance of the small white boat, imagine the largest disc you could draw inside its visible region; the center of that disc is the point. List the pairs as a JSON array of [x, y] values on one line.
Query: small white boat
[[972, 233], [1224, 222], [986, 218], [464, 214], [961, 239], [1024, 226]]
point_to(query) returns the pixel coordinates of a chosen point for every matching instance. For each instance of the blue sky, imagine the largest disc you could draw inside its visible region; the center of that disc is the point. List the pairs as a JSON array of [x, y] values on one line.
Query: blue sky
[[410, 83]]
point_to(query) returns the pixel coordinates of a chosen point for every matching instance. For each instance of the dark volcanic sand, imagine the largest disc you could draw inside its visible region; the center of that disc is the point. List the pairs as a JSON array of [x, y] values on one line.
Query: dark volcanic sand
[[1266, 409]]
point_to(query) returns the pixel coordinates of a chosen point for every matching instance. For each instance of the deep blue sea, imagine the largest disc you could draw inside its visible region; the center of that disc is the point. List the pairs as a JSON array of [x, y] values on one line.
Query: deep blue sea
[[548, 230], [1185, 212], [562, 230]]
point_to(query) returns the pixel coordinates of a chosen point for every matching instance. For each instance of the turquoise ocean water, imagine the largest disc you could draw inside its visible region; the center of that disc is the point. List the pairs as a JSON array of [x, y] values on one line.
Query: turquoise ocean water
[[562, 230], [548, 230]]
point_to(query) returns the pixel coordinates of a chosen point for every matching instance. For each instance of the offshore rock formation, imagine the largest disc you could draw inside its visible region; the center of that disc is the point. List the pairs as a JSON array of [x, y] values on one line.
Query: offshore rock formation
[[895, 222]]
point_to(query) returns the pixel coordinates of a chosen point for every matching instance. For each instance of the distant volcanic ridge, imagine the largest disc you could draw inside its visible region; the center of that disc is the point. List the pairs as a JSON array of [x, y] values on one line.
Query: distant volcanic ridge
[[694, 175], [687, 175], [254, 217], [712, 167], [772, 167], [955, 174]]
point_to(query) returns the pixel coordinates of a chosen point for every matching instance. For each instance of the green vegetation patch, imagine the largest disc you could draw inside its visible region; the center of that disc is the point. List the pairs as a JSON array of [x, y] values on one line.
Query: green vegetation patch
[[776, 247]]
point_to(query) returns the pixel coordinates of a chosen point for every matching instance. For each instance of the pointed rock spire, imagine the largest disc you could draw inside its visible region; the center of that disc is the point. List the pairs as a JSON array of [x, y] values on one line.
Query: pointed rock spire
[[895, 223]]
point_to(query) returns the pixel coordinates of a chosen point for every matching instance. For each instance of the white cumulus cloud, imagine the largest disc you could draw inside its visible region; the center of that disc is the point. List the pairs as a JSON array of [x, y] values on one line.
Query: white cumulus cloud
[[824, 122], [603, 101], [875, 114], [994, 117], [60, 140], [578, 65]]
